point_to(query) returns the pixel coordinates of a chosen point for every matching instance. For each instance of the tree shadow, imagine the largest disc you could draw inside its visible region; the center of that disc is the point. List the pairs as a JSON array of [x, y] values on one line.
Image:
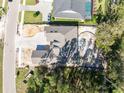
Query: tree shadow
[[81, 79]]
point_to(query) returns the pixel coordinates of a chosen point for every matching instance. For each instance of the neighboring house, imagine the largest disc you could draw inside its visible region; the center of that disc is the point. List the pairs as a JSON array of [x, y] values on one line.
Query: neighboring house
[[72, 9]]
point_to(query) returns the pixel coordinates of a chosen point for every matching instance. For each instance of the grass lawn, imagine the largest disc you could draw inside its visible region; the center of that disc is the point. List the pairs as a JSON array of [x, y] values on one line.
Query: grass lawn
[[90, 22], [29, 18], [1, 57], [29, 15], [30, 2], [72, 21], [20, 86]]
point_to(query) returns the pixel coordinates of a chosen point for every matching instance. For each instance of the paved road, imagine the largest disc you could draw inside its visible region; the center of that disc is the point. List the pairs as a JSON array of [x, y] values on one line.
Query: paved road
[[9, 48]]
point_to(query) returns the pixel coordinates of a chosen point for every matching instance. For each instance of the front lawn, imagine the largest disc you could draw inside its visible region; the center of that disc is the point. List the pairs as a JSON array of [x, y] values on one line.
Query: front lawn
[[30, 2], [30, 18], [21, 87], [29, 15]]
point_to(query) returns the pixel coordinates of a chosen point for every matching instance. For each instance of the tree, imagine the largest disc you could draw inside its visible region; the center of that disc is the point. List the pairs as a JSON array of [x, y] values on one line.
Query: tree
[[114, 11], [107, 34], [109, 37], [37, 13]]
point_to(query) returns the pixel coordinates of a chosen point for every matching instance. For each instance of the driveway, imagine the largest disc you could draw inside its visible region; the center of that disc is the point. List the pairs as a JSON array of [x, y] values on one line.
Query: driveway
[[31, 42], [44, 6]]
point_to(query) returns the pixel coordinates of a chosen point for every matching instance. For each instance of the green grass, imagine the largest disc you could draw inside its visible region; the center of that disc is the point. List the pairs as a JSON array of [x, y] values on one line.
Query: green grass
[[29, 18], [85, 22], [30, 2], [64, 19], [20, 86], [1, 57], [29, 15]]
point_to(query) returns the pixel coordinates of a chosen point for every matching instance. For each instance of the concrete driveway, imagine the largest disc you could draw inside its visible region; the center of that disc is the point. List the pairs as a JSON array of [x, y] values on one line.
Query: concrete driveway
[[31, 42], [44, 6]]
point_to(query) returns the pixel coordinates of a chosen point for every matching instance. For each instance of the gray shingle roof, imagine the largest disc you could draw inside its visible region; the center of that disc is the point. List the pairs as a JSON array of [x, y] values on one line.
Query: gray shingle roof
[[71, 9], [38, 53]]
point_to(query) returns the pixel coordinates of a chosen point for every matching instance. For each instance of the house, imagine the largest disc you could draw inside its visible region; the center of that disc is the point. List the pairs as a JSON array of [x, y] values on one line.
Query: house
[[36, 57], [38, 54], [72, 9], [61, 33]]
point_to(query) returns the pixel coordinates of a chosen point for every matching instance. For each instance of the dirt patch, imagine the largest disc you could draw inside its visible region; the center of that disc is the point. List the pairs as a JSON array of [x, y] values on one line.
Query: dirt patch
[[30, 30]]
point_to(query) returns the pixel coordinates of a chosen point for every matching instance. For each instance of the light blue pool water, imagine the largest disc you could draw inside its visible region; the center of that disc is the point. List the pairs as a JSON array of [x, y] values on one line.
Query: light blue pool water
[[88, 7]]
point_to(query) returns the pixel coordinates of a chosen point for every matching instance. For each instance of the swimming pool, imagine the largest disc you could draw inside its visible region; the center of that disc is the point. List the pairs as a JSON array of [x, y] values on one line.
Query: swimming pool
[[88, 7]]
